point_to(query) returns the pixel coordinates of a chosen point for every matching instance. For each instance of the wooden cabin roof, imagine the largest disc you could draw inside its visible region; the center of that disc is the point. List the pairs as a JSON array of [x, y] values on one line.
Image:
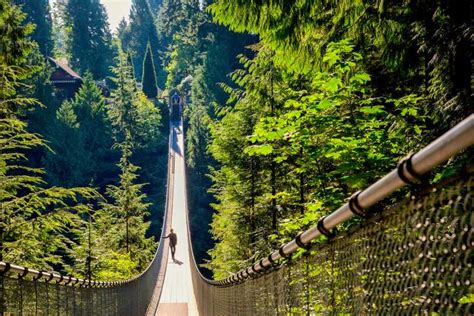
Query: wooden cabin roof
[[63, 73]]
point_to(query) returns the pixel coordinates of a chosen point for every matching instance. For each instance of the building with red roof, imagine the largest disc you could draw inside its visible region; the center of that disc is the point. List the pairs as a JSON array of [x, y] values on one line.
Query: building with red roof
[[65, 80]]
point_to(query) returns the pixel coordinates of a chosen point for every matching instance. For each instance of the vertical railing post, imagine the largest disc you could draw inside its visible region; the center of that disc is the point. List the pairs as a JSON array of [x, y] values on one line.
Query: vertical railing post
[[307, 282], [333, 287]]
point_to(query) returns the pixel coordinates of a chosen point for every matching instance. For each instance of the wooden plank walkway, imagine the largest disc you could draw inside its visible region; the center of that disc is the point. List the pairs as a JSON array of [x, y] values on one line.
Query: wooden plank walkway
[[177, 297]]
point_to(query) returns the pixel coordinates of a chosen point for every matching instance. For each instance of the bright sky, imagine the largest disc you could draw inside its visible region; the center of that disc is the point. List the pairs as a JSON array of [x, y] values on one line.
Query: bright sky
[[116, 9]]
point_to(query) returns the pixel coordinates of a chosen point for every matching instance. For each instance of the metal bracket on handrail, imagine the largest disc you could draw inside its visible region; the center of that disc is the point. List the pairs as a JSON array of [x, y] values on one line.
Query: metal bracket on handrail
[[273, 263], [69, 281], [6, 269], [254, 270], [282, 253], [61, 278], [411, 176], [249, 271], [22, 275], [300, 243], [38, 276], [355, 207], [51, 277], [322, 229]]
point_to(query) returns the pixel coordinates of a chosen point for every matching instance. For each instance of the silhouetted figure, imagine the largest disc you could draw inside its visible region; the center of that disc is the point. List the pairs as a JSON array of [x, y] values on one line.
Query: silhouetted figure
[[173, 241], [175, 99], [175, 107]]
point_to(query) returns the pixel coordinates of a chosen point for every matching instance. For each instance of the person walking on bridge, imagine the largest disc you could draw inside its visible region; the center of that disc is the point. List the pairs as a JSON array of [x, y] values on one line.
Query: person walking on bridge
[[173, 241]]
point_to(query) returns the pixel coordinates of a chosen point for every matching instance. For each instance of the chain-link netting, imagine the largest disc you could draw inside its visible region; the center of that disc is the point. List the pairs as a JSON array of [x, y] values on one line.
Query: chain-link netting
[[28, 297], [413, 259]]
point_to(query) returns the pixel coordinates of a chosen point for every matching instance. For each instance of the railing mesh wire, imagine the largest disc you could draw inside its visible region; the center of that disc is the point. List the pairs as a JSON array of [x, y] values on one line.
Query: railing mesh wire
[[414, 258], [28, 297]]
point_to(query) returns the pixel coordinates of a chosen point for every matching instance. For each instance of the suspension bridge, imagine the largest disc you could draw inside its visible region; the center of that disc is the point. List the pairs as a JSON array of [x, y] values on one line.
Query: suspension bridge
[[412, 258]]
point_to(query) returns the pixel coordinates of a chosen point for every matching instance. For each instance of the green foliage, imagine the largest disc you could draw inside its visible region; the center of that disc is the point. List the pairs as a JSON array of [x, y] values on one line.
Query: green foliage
[[114, 240], [155, 5], [337, 93], [38, 13], [245, 185], [308, 144], [89, 41], [127, 212], [419, 44], [330, 99], [131, 114], [198, 134], [116, 266], [34, 218], [179, 24], [81, 140], [149, 83], [45, 227], [141, 32]]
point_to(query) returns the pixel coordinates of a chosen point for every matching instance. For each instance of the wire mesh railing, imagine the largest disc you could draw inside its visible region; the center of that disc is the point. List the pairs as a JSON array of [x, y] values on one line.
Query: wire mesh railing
[[30, 292], [26, 291], [414, 258]]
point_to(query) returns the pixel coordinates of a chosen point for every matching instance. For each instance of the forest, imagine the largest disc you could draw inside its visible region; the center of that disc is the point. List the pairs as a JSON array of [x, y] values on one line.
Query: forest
[[291, 107]]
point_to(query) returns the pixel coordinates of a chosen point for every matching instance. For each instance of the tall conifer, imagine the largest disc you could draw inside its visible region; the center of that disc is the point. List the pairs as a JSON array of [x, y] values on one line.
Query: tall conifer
[[149, 83], [155, 5], [38, 13], [141, 32], [128, 211], [33, 216], [130, 112], [90, 40], [84, 156]]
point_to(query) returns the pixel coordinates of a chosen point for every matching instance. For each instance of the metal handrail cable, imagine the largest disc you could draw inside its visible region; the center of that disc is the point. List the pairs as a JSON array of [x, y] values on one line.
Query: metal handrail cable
[[448, 145]]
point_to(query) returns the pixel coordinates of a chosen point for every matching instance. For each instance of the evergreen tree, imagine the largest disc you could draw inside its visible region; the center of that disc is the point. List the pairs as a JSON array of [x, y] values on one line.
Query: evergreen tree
[[155, 5], [38, 13], [184, 51], [140, 33], [121, 28], [176, 18], [81, 139], [130, 112], [121, 110], [422, 44], [90, 41], [149, 84], [130, 64], [128, 210], [34, 218], [41, 118], [113, 243], [133, 115], [171, 18]]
